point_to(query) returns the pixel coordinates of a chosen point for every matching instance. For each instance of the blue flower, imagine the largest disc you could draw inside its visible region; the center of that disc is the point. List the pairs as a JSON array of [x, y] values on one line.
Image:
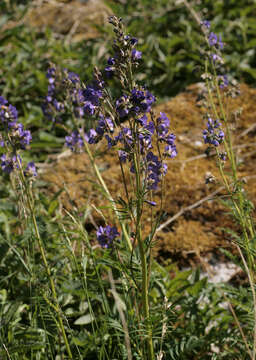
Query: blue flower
[[223, 81], [8, 164], [93, 94], [107, 235], [91, 136], [213, 135], [216, 58], [74, 141], [8, 113], [141, 100], [170, 151], [122, 106], [123, 155], [152, 203], [206, 23], [136, 55], [155, 170], [30, 169], [51, 74], [213, 39], [133, 41]]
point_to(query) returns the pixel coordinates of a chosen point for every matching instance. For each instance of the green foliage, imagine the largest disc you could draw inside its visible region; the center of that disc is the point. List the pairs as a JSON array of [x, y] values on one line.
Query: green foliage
[[193, 312], [170, 39]]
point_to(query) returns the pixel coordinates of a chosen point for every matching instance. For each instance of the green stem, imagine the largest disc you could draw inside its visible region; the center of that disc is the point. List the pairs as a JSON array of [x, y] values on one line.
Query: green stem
[[144, 270], [42, 251], [104, 186], [239, 208]]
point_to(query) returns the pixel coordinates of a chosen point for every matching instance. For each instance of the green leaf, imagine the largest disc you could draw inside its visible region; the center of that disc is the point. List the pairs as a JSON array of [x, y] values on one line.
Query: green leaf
[[84, 320]]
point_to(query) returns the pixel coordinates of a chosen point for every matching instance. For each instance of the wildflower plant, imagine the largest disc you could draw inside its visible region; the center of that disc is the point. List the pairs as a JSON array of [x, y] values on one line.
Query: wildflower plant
[[219, 136], [14, 139], [128, 125]]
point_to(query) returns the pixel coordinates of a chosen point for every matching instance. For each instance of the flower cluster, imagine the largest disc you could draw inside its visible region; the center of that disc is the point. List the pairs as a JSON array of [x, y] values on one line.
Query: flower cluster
[[52, 105], [223, 81], [139, 102], [74, 141], [30, 169], [214, 40], [13, 136], [66, 92], [125, 51], [155, 169], [213, 135], [8, 164], [216, 45], [134, 106], [162, 129], [107, 235]]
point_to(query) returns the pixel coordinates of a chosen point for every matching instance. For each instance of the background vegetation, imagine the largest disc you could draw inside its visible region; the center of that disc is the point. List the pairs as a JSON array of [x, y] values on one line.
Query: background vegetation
[[168, 38]]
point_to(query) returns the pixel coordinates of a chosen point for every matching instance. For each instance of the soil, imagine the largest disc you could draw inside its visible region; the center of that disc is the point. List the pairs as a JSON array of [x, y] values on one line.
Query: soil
[[196, 216]]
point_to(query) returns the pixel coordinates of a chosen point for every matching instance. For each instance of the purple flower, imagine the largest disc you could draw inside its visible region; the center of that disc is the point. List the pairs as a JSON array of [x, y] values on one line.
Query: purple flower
[[206, 23], [223, 156], [104, 125], [133, 41], [143, 120], [93, 94], [7, 113], [170, 151], [25, 138], [20, 137], [109, 70], [111, 61], [122, 155], [125, 137], [213, 39], [152, 203], [51, 73], [122, 106], [59, 106], [3, 101], [91, 136], [220, 43], [110, 140], [142, 101], [150, 127], [89, 108], [8, 164], [145, 141], [155, 170], [74, 141], [223, 81], [136, 55], [162, 128], [213, 135], [107, 235], [30, 169], [216, 58], [73, 77]]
